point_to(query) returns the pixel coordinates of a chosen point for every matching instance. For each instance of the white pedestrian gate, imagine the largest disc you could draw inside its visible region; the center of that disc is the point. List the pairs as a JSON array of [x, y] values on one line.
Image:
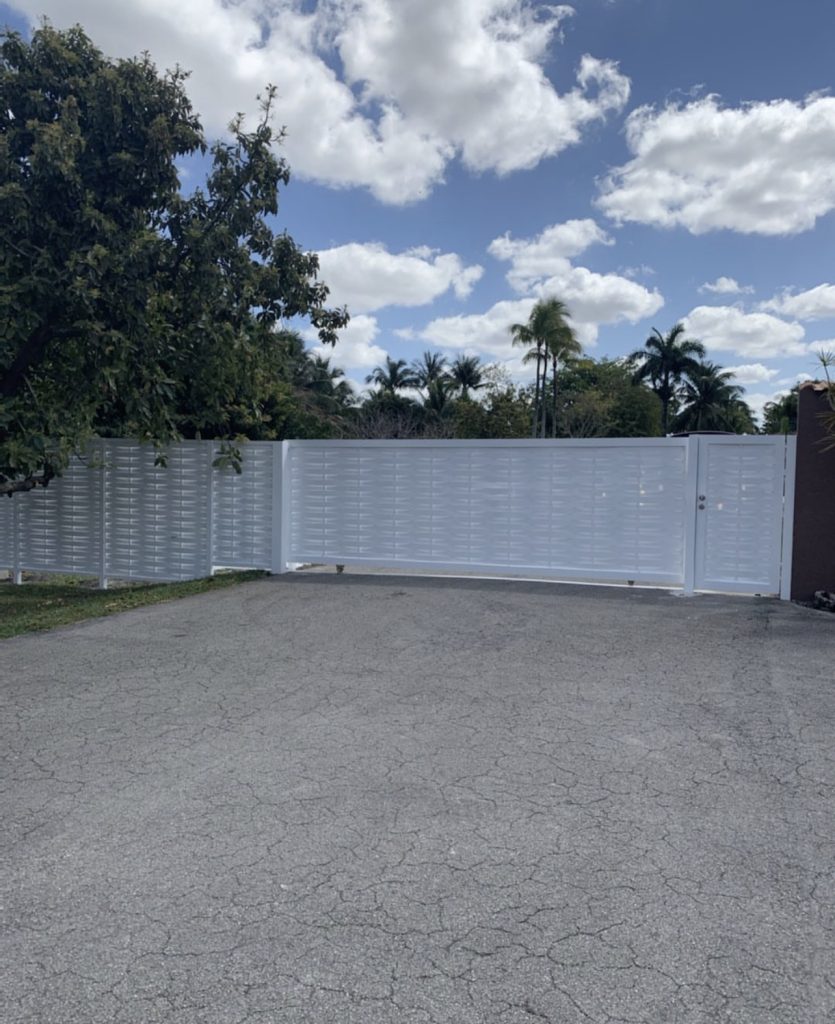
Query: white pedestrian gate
[[742, 513], [699, 513]]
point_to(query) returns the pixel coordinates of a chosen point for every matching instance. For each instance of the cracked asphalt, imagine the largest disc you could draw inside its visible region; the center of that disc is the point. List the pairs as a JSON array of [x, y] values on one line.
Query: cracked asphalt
[[337, 799]]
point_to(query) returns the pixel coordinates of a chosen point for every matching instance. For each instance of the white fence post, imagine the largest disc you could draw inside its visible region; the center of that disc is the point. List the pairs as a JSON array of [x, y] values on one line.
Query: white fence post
[[788, 519], [103, 517], [691, 519], [281, 507], [17, 574], [210, 454]]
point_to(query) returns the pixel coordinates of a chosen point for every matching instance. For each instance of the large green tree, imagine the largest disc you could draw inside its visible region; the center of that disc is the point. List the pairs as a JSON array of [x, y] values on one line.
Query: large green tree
[[601, 398], [124, 302], [664, 361]]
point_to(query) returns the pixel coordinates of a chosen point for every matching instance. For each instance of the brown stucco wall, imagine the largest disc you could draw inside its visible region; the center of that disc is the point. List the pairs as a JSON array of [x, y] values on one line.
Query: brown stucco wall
[[813, 556]]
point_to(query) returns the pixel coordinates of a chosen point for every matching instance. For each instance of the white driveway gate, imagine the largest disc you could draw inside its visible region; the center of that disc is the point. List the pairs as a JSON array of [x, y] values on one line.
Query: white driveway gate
[[701, 513]]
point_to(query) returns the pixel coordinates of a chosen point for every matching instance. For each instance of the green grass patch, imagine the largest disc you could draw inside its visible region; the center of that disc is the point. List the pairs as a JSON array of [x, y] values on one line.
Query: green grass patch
[[62, 600]]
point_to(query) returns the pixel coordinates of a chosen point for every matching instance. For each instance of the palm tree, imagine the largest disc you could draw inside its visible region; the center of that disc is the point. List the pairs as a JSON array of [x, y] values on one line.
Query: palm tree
[[466, 375], [561, 347], [711, 401], [523, 335], [429, 368], [437, 401], [392, 377], [780, 416], [547, 332], [665, 360], [326, 381]]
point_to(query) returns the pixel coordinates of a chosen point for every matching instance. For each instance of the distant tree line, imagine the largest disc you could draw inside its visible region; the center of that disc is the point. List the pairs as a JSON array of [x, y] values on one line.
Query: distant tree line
[[667, 386]]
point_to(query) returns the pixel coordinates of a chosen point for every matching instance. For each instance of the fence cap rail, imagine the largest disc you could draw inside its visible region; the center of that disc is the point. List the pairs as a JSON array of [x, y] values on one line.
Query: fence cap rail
[[535, 443]]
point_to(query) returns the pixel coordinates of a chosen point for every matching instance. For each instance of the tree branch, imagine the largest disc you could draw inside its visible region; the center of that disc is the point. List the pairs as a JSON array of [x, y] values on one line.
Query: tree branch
[[10, 487]]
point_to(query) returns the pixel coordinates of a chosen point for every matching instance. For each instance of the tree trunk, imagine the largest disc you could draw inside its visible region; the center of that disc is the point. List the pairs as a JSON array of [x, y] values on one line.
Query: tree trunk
[[535, 416], [544, 404], [554, 382]]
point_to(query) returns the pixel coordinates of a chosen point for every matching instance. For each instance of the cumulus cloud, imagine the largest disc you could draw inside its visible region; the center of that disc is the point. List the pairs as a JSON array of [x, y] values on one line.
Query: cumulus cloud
[[642, 270], [355, 348], [726, 286], [752, 373], [367, 277], [596, 299], [541, 267], [815, 304], [485, 333], [761, 168], [374, 93], [752, 335], [533, 259], [827, 345]]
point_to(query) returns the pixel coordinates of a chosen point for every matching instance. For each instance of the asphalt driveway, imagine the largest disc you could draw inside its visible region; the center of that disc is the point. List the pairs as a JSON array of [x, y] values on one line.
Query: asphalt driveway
[[336, 799]]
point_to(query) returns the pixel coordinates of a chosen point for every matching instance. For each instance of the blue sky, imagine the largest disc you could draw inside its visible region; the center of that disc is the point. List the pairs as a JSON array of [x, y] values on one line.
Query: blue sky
[[647, 161]]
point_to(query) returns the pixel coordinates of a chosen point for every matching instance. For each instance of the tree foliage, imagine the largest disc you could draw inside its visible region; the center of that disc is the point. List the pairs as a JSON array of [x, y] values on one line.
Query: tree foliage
[[710, 401], [780, 416], [601, 398], [465, 375], [394, 376], [124, 304]]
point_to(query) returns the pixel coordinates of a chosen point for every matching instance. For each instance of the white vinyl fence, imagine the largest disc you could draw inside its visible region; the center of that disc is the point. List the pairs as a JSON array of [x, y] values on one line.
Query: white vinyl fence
[[117, 514], [702, 513]]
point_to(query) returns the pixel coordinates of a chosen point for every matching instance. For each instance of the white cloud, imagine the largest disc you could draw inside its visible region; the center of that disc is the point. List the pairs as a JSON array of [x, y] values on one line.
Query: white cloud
[[762, 168], [366, 277], [726, 286], [642, 270], [752, 335], [485, 333], [826, 345], [355, 348], [601, 298], [470, 73], [815, 304], [540, 266], [751, 373], [533, 259], [419, 84]]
